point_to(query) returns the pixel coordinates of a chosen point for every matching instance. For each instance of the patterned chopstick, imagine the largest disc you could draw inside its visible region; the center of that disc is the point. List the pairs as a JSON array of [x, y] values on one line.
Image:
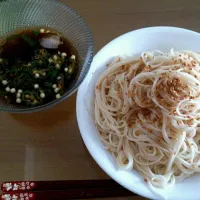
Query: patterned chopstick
[[67, 194], [56, 185]]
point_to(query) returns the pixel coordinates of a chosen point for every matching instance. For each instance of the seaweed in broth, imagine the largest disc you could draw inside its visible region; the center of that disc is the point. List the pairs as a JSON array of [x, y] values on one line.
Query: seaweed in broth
[[37, 66]]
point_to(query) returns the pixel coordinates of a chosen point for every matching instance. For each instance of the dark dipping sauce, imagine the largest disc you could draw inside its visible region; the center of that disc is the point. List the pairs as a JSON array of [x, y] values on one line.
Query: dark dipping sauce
[[37, 66]]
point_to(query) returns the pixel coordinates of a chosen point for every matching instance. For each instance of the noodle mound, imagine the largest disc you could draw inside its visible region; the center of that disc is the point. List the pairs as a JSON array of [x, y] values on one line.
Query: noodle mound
[[147, 112]]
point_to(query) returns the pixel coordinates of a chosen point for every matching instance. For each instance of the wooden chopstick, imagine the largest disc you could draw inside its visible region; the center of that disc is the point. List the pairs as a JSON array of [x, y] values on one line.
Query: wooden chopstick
[[68, 194], [19, 186]]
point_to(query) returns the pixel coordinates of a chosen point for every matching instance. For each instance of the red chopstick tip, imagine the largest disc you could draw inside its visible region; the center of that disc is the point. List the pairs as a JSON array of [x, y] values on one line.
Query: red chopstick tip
[[18, 186], [6, 186], [18, 196]]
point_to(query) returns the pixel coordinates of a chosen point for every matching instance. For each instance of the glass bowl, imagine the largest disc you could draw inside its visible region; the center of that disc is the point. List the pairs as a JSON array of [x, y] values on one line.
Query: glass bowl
[[20, 14]]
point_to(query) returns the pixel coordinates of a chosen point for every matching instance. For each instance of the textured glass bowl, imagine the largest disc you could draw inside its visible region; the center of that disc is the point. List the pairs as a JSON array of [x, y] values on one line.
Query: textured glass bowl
[[16, 14]]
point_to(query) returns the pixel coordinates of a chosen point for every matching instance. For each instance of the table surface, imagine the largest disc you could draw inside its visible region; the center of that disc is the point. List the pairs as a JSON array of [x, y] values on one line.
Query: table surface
[[47, 145]]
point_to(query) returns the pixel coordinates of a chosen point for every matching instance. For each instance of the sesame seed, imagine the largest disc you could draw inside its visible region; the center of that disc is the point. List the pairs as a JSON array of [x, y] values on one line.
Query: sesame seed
[[42, 95], [18, 100], [58, 96], [4, 82], [66, 69], [73, 57], [36, 86], [70, 70], [55, 57], [59, 52], [59, 77], [13, 90], [56, 90], [54, 86], [50, 60], [20, 91], [18, 95], [41, 30], [63, 54], [37, 75], [57, 66]]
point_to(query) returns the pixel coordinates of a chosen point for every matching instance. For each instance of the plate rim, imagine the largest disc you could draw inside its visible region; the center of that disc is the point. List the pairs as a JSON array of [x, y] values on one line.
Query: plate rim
[[82, 90]]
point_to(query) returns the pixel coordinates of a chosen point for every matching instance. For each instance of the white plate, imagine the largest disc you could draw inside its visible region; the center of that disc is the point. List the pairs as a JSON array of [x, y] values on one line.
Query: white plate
[[133, 43]]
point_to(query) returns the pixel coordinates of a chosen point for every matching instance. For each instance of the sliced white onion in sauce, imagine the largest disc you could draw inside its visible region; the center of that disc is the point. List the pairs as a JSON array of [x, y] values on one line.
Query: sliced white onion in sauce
[[51, 42]]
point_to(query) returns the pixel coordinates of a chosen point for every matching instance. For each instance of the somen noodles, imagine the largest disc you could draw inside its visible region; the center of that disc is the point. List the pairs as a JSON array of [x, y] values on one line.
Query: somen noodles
[[147, 112]]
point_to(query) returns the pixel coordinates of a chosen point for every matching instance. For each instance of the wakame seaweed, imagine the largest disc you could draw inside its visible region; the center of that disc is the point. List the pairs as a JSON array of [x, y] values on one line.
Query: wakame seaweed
[[32, 75]]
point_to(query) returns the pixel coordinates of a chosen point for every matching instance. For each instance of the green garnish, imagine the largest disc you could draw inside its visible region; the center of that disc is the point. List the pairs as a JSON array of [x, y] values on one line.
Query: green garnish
[[31, 98], [31, 75], [53, 74], [28, 40], [48, 84], [36, 33], [12, 37]]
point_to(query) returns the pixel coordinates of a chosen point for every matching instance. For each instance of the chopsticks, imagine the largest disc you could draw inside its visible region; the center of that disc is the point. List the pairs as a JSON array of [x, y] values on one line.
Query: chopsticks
[[57, 185], [61, 190]]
